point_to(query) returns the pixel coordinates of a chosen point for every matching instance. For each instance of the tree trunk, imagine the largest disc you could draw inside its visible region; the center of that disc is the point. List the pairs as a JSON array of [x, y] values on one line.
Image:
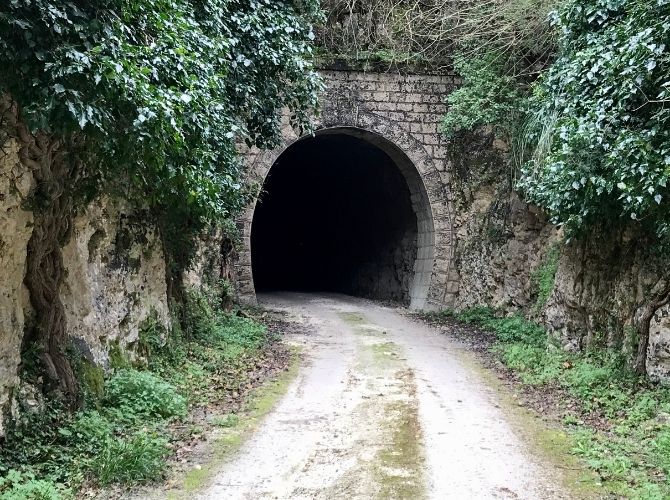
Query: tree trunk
[[661, 299], [53, 169]]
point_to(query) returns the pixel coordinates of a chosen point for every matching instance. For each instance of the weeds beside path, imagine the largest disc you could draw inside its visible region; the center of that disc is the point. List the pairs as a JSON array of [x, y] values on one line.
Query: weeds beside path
[[618, 424], [144, 420]]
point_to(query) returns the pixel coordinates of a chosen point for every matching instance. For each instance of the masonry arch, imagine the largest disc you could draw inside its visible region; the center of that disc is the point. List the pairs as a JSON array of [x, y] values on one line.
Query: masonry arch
[[344, 210], [434, 282]]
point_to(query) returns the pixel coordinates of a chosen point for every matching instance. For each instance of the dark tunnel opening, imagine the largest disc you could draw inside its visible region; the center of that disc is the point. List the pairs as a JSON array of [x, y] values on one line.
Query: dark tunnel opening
[[335, 215]]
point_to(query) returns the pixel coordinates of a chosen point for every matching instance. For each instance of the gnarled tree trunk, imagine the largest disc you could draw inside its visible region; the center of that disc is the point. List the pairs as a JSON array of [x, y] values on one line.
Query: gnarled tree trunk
[[53, 168], [660, 299]]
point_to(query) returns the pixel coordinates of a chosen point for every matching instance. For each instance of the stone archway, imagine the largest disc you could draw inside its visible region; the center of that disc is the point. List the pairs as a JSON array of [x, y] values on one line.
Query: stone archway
[[435, 281]]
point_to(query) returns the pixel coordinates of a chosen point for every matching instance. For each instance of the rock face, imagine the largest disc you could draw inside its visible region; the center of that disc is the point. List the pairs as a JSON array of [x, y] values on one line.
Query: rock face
[[115, 278], [604, 286], [501, 241], [15, 230]]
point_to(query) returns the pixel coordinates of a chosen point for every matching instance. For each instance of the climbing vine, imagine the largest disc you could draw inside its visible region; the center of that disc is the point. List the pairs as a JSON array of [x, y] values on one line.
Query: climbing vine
[[144, 98], [605, 156]]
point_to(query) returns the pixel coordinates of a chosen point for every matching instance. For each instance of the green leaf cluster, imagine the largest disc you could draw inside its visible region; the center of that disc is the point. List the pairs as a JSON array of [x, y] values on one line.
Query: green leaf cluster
[[140, 394], [605, 157], [490, 95], [160, 92], [18, 486]]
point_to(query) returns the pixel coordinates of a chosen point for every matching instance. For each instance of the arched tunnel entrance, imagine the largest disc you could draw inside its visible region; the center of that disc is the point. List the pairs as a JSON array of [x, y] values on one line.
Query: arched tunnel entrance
[[344, 211]]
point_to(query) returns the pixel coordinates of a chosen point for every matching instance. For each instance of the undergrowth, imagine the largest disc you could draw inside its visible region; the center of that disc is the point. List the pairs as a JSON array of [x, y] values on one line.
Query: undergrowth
[[123, 434], [630, 449]]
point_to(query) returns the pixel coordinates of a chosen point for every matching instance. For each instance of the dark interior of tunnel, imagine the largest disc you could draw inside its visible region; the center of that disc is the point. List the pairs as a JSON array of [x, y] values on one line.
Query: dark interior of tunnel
[[335, 215]]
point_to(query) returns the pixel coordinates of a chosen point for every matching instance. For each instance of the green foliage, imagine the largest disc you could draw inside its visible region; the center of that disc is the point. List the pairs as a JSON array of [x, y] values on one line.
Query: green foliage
[[136, 395], [661, 449], [632, 459], [518, 329], [161, 91], [544, 276], [606, 155], [88, 433], [230, 420], [490, 95], [204, 323], [477, 315], [34, 440], [92, 379], [17, 486], [534, 364], [118, 359], [124, 439], [135, 459]]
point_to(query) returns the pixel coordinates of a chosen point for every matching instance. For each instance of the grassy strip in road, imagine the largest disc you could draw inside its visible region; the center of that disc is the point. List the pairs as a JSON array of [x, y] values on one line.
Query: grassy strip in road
[[619, 424], [397, 468], [400, 463]]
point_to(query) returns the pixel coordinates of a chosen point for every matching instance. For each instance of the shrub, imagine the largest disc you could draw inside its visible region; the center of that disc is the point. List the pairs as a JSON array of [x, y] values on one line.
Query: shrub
[[89, 432], [142, 394], [135, 459], [661, 448], [608, 149], [476, 315], [536, 365], [518, 329], [489, 95], [17, 486]]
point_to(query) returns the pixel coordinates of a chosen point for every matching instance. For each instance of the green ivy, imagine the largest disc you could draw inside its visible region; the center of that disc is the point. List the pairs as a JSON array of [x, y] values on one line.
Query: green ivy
[[606, 154], [160, 92], [490, 95]]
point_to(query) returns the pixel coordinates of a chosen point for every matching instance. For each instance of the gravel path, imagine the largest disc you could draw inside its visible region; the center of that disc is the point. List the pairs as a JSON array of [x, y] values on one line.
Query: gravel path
[[382, 408]]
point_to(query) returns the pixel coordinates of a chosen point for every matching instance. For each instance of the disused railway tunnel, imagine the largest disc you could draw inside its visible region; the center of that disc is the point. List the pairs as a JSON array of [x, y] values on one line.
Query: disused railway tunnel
[[343, 211]]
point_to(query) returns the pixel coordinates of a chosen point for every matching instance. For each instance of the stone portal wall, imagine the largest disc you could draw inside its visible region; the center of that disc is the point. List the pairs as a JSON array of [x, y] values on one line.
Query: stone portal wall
[[402, 115]]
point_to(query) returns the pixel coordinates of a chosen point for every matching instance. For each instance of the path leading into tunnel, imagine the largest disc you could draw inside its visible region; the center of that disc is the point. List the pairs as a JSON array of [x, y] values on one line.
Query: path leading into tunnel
[[383, 407]]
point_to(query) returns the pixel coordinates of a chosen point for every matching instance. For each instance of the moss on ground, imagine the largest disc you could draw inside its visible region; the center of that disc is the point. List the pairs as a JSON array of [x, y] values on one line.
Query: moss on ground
[[399, 465], [236, 431]]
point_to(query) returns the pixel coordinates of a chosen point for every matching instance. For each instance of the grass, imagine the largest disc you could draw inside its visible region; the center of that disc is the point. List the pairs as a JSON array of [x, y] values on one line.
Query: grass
[[544, 276], [236, 428], [123, 435], [630, 450]]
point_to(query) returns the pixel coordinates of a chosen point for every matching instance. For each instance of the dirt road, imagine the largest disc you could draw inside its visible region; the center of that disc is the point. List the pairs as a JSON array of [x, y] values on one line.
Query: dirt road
[[382, 408]]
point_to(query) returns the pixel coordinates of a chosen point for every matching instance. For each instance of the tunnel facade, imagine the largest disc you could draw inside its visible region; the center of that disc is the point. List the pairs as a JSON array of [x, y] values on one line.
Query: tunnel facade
[[362, 205], [336, 214]]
